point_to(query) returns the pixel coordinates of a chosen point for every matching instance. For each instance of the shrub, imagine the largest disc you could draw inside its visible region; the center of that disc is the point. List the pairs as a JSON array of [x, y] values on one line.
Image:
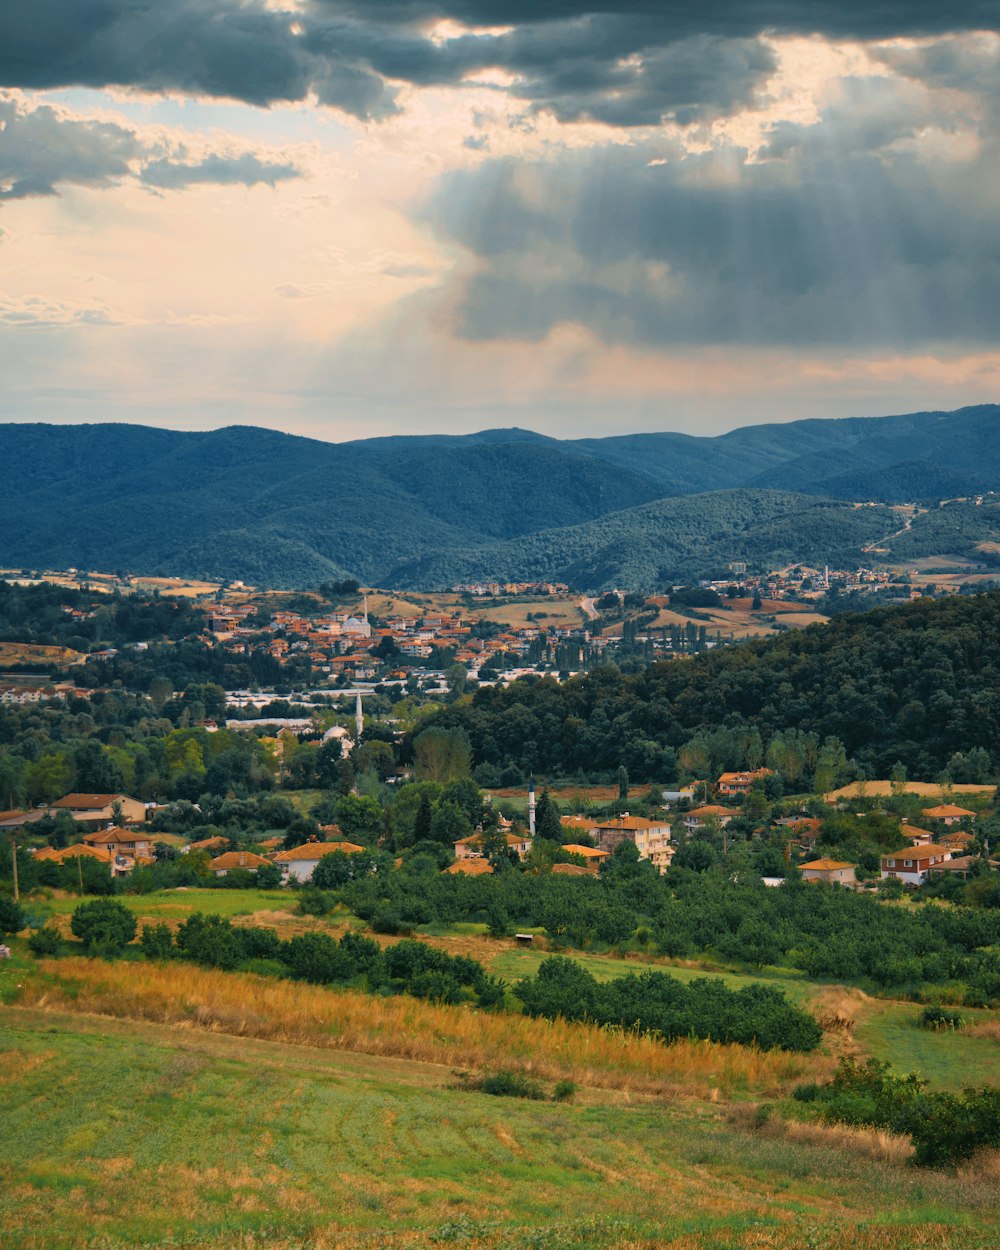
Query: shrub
[[940, 1018], [103, 925], [564, 1091], [506, 1084], [318, 958], [45, 942], [661, 1005], [210, 940], [12, 917], [157, 941], [313, 902]]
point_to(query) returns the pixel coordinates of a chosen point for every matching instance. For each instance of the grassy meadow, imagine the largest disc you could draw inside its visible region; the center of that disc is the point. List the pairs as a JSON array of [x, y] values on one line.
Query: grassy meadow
[[155, 1105], [125, 1135]]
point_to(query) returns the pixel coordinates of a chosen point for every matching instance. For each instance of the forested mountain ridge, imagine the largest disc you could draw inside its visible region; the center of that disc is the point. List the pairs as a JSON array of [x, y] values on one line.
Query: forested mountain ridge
[[668, 541], [915, 684], [276, 509]]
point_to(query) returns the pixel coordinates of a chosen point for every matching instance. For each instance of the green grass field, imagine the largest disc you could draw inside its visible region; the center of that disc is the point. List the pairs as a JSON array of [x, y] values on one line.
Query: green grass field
[[126, 1134], [180, 903], [950, 1059]]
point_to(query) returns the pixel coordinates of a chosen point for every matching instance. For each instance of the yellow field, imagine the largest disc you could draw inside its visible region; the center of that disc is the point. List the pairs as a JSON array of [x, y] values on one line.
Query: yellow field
[[925, 789], [31, 653], [409, 1028]]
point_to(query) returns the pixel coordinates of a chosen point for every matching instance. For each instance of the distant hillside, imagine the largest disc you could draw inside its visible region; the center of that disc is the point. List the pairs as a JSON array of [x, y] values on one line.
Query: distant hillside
[[668, 541], [279, 510]]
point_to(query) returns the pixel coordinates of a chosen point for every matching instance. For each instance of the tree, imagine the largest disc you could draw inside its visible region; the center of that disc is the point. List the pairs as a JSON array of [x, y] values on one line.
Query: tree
[[622, 785], [547, 822], [898, 778], [449, 824], [359, 818], [268, 877], [442, 754], [103, 925]]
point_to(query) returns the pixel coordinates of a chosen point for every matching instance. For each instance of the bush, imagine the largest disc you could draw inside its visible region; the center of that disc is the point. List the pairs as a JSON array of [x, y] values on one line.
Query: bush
[[505, 1084], [940, 1018], [313, 902], [564, 1091], [318, 958], [12, 917], [45, 942], [103, 925], [210, 940], [157, 941]]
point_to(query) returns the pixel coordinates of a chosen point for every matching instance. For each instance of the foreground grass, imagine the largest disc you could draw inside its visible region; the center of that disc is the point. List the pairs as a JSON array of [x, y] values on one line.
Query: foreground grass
[[127, 1135], [403, 1027]]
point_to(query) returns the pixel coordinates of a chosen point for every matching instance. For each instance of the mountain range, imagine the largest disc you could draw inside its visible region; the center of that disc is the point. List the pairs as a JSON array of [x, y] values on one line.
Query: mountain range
[[641, 509]]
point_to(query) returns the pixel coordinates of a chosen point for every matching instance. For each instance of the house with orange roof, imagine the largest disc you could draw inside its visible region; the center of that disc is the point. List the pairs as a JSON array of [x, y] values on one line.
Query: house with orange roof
[[225, 863], [948, 813], [472, 846], [915, 835], [912, 864], [127, 850], [711, 813], [218, 843], [956, 840], [299, 861], [740, 783], [832, 871], [97, 808], [650, 837]]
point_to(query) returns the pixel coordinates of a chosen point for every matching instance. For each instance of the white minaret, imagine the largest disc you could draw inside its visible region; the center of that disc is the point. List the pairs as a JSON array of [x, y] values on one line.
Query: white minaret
[[359, 718], [531, 806]]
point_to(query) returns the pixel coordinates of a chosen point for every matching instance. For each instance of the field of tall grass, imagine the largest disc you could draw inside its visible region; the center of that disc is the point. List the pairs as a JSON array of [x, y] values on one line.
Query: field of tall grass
[[125, 1134], [286, 1011]]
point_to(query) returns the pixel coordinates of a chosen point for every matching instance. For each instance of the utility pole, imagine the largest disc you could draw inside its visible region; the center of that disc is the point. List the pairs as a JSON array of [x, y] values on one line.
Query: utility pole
[[13, 857]]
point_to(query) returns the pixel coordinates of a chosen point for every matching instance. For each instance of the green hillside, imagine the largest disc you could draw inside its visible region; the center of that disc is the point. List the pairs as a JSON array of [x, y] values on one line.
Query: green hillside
[[279, 510], [670, 540]]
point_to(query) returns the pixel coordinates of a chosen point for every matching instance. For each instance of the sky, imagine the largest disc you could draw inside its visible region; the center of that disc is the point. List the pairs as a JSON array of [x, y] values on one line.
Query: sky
[[347, 219]]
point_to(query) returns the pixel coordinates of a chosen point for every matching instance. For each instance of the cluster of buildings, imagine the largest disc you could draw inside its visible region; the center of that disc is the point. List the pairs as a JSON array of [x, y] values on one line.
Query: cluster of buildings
[[349, 644], [493, 590]]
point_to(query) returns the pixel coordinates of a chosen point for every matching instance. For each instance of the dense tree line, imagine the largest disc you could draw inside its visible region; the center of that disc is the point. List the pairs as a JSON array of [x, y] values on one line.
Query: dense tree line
[[913, 684], [658, 1004], [41, 615]]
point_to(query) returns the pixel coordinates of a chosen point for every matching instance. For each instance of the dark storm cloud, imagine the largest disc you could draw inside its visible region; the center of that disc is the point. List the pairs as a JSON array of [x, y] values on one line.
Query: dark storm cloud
[[247, 170], [626, 64], [40, 150], [859, 244]]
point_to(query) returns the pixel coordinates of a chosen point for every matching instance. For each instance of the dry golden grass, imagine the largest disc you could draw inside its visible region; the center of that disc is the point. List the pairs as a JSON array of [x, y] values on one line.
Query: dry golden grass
[[870, 1142], [837, 1008], [408, 1028], [984, 1028]]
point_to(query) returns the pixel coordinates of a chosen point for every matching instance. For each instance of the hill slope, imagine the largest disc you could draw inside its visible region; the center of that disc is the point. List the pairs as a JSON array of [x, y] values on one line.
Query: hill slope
[[281, 510]]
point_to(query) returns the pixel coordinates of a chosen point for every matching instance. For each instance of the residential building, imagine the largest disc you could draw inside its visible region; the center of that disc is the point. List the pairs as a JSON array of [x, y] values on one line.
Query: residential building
[[912, 864], [472, 846], [651, 838], [740, 783], [470, 867], [948, 813], [237, 859], [100, 808], [959, 866], [832, 871], [712, 813], [126, 849], [299, 861]]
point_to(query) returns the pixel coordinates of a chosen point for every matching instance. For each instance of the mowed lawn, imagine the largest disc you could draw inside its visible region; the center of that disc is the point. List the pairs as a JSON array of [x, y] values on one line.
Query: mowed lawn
[[126, 1134]]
